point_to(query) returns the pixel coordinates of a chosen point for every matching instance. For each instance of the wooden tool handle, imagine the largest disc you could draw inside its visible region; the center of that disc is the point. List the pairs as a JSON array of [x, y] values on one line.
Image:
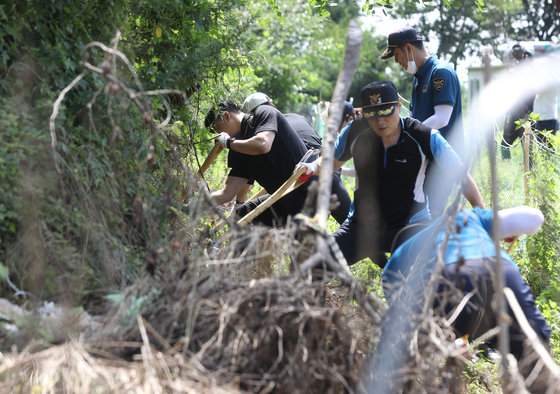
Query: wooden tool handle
[[216, 149], [512, 244], [287, 187]]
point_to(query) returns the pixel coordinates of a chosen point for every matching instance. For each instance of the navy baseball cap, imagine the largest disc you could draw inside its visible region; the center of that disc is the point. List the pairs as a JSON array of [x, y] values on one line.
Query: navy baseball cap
[[379, 99], [348, 110], [399, 38]]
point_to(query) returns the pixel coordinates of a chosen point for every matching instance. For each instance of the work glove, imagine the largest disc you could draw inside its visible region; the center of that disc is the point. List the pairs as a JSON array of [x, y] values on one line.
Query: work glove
[[310, 169], [223, 139]]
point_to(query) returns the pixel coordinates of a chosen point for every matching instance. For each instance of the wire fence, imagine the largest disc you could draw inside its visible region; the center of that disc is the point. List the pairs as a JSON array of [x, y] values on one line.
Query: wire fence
[[515, 166]]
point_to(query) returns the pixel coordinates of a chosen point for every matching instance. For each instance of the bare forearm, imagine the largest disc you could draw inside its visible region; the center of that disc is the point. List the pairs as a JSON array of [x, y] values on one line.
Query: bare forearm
[[249, 147], [233, 186], [471, 192], [259, 144]]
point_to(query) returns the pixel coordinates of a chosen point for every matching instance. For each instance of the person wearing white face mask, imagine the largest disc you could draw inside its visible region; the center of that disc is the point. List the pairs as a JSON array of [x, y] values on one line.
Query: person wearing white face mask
[[435, 101]]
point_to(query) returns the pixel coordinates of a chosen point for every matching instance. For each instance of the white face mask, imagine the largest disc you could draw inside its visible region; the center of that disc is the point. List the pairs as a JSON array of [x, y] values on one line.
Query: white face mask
[[411, 67]]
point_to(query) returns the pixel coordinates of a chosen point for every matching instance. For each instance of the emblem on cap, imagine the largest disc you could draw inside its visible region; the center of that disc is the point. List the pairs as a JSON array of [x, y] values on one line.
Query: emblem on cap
[[375, 98]]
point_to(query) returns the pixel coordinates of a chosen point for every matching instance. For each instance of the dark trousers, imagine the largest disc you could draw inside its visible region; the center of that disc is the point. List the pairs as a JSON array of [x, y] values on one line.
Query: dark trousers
[[340, 213], [292, 203], [276, 214], [357, 241], [479, 316]]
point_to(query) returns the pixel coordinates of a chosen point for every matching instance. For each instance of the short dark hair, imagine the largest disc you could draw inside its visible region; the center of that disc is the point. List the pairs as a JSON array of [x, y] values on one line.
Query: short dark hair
[[416, 44], [218, 110]]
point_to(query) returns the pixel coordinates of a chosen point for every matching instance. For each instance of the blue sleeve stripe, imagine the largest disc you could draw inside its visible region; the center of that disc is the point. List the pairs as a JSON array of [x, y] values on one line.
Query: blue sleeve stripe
[[443, 153], [340, 143]]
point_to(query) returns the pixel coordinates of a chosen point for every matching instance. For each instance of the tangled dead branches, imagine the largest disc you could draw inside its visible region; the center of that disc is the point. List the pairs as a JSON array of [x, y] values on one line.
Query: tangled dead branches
[[231, 312]]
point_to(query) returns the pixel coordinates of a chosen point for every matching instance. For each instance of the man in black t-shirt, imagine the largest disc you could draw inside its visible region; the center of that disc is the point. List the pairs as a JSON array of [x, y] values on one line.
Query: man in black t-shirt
[[312, 140], [263, 147]]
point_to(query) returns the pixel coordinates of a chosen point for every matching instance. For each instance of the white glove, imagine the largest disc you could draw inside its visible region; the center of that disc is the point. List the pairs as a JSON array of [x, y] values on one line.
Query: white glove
[[223, 138], [310, 169]]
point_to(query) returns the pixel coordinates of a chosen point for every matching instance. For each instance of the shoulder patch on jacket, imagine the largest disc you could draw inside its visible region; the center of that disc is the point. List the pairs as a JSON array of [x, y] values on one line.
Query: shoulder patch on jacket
[[438, 83]]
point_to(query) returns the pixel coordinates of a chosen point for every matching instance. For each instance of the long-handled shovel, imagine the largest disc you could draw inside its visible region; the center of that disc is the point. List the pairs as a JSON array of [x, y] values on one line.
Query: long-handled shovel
[[290, 185]]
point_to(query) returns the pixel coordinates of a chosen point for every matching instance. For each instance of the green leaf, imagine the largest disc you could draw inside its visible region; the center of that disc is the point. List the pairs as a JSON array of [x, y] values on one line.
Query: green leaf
[[3, 271]]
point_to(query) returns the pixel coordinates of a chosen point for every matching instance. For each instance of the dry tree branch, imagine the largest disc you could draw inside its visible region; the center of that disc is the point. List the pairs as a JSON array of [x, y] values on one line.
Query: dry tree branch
[[351, 56], [135, 96], [146, 350], [530, 333], [89, 107], [52, 128], [116, 54]]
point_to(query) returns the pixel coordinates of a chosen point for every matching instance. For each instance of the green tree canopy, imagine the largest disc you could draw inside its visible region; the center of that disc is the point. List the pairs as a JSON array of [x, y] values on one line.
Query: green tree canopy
[[463, 28]]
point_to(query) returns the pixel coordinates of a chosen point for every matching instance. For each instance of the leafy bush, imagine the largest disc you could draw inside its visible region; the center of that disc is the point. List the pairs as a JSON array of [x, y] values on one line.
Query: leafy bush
[[544, 250], [87, 204]]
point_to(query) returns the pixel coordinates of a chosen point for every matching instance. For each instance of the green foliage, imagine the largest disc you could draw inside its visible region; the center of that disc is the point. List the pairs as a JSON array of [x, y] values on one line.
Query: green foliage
[[544, 251], [537, 256], [550, 309], [297, 62], [369, 5], [539, 259], [482, 376], [278, 13], [342, 11], [509, 177], [84, 216], [370, 274], [285, 54], [3, 272], [182, 45], [462, 27]]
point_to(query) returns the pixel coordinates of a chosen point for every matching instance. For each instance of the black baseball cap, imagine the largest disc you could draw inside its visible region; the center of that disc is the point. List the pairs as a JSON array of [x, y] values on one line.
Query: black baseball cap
[[379, 99], [399, 38], [218, 110]]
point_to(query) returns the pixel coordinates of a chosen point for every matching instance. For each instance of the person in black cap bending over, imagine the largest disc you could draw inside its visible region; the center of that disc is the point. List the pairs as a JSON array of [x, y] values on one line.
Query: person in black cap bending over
[[435, 101], [263, 147], [390, 156]]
